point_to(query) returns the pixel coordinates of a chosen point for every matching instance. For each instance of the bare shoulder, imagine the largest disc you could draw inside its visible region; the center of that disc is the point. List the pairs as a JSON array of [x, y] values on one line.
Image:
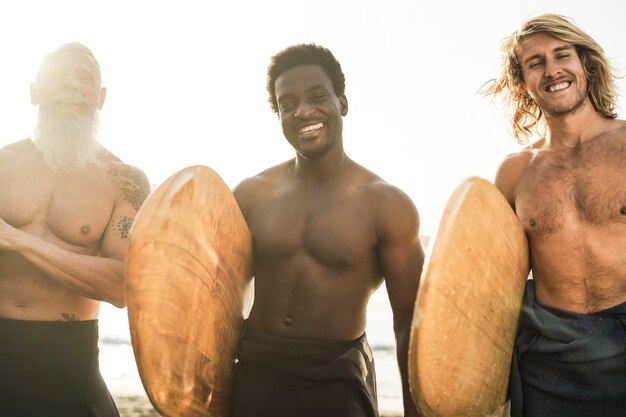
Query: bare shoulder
[[512, 169], [621, 126], [106, 155], [618, 131], [17, 148], [130, 182], [394, 205], [393, 208], [251, 189]]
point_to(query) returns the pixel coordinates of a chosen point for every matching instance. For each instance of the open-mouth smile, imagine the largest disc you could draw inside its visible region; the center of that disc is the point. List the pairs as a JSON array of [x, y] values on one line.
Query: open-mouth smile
[[311, 128], [558, 87]]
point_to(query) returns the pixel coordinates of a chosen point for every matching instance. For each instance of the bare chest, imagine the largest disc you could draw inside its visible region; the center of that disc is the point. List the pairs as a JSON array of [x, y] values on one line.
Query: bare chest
[[562, 189], [73, 208], [334, 228]]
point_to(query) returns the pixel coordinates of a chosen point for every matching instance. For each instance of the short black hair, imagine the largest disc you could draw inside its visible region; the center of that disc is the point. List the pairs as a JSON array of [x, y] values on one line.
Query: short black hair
[[304, 54]]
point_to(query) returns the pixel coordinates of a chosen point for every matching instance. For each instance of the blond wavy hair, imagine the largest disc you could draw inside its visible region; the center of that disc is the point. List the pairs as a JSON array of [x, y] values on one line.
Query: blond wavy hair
[[526, 116]]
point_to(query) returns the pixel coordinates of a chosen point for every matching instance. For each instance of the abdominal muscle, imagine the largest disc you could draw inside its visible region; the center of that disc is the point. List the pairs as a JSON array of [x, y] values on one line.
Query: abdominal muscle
[[26, 293], [584, 273], [323, 307]]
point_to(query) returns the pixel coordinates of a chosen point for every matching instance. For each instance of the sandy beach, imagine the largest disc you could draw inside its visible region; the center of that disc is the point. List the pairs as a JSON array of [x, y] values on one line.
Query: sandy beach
[[140, 406], [135, 406]]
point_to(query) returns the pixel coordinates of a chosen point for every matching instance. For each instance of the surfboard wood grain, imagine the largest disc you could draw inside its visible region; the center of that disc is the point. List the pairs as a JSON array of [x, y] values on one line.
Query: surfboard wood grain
[[187, 267], [467, 309]]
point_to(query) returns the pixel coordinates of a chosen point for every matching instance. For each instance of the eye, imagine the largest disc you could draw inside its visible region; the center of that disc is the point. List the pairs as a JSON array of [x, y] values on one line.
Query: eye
[[85, 78], [319, 97], [285, 106], [562, 56]]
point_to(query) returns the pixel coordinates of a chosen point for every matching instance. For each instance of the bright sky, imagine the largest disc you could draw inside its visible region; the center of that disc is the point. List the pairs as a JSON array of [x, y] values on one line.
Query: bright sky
[[186, 79]]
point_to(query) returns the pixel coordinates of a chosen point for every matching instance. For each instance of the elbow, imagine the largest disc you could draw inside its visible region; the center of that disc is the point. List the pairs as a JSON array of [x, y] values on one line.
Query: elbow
[[119, 303], [117, 297]]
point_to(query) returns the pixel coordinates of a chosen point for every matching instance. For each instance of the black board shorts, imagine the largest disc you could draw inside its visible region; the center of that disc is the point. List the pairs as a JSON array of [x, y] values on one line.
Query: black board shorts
[[281, 377], [51, 369]]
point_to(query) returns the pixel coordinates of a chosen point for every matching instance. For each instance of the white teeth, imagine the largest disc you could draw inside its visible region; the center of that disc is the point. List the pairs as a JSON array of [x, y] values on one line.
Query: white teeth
[[310, 128], [559, 86]]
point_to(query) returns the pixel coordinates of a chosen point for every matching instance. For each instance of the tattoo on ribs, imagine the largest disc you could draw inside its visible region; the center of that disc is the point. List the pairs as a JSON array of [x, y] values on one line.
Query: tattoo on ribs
[[69, 317], [123, 226]]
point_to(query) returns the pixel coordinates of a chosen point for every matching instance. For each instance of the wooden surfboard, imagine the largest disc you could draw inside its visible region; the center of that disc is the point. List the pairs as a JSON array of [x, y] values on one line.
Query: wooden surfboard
[[467, 309], [188, 264]]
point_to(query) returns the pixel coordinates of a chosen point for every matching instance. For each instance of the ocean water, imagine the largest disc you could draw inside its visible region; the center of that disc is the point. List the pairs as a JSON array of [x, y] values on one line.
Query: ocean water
[[117, 362]]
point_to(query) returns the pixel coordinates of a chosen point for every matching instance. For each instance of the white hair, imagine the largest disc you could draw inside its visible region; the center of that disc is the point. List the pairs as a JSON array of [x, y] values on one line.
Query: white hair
[[67, 142]]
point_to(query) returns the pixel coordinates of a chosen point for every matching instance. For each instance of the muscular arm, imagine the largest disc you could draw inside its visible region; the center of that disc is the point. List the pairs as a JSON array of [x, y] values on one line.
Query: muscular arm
[[510, 172], [92, 276], [401, 258]]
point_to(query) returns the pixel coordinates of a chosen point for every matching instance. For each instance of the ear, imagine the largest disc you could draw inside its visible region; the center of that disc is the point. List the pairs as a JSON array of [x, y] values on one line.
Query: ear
[[34, 94], [343, 105], [101, 97]]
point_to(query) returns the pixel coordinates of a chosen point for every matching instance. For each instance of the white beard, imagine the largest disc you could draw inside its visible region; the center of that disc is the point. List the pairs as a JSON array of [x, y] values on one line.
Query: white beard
[[68, 142]]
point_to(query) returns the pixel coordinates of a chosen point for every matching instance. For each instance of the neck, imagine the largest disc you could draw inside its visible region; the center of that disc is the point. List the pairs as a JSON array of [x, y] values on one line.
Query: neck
[[579, 126], [323, 168]]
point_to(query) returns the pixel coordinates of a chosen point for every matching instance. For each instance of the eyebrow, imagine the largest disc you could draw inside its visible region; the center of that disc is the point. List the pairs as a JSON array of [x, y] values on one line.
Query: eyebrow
[[555, 50], [308, 90]]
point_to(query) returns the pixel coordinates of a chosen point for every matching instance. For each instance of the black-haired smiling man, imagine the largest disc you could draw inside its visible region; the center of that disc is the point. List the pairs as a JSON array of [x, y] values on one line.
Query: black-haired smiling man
[[327, 232]]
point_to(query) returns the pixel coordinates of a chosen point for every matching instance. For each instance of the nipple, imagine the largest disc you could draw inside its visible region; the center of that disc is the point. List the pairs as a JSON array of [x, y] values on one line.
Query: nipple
[[532, 222], [288, 321], [84, 230]]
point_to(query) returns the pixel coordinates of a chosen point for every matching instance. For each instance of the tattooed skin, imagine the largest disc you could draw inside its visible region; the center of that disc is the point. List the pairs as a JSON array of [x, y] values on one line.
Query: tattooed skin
[[69, 317], [123, 226], [132, 184]]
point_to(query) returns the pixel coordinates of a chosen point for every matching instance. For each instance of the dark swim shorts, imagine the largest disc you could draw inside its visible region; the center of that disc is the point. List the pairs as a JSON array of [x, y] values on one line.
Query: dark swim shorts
[[568, 364], [51, 369], [276, 377]]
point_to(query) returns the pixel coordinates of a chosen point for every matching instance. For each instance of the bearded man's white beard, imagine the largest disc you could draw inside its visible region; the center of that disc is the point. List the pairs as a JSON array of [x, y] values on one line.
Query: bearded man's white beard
[[68, 142]]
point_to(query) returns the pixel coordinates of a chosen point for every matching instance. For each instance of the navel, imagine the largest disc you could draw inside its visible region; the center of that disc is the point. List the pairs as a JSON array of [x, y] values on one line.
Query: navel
[[622, 211], [532, 222], [85, 230], [288, 321]]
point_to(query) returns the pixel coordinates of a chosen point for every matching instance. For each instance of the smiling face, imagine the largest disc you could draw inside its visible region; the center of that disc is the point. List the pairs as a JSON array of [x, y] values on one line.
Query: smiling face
[[68, 82], [554, 76], [310, 112], [68, 93]]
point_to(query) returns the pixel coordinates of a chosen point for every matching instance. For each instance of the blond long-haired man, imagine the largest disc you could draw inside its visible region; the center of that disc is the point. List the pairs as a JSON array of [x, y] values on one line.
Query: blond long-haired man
[[568, 189]]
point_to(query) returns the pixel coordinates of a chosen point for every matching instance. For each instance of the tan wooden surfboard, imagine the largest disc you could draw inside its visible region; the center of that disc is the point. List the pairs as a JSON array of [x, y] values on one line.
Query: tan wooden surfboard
[[188, 264], [467, 308]]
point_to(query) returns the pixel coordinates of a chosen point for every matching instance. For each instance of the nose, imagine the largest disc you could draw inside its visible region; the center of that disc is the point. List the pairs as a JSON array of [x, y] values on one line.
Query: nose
[[303, 109], [553, 68], [71, 81]]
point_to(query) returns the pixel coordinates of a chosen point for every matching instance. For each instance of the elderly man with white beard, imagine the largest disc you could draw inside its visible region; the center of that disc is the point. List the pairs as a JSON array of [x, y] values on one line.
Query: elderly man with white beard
[[66, 206]]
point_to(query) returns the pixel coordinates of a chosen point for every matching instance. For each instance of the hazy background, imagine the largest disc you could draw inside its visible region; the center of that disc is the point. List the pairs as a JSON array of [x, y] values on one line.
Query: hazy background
[[186, 85], [186, 79]]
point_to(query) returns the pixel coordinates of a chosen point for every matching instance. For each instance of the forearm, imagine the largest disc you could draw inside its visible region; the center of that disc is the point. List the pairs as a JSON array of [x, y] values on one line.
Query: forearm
[[402, 331], [93, 277]]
